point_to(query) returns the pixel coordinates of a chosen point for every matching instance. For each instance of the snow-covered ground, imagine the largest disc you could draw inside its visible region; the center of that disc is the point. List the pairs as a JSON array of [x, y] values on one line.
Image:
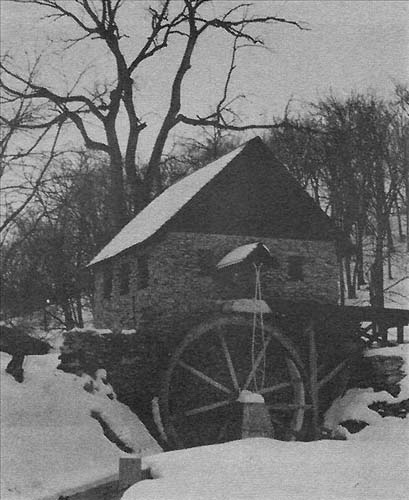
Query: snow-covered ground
[[266, 469], [397, 288], [50, 444], [371, 464], [354, 404]]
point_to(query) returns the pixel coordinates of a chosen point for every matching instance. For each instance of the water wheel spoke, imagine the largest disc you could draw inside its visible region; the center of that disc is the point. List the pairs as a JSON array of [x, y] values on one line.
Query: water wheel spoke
[[205, 408], [257, 362], [229, 361], [287, 406], [278, 422], [275, 388], [213, 364], [203, 377]]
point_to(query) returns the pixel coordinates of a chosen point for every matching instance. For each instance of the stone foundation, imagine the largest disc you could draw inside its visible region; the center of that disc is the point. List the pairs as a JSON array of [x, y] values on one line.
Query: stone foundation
[[382, 373], [131, 363]]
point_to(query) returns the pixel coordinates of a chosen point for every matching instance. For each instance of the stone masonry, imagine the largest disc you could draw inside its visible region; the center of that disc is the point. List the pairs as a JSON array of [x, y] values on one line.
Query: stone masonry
[[181, 285]]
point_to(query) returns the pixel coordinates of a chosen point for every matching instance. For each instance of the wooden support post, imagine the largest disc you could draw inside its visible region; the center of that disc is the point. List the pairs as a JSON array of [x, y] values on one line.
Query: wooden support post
[[313, 368], [399, 329], [130, 472], [383, 333]]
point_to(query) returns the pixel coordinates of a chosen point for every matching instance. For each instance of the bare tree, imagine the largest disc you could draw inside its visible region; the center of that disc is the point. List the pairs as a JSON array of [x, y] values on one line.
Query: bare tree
[[402, 132], [24, 158], [187, 20]]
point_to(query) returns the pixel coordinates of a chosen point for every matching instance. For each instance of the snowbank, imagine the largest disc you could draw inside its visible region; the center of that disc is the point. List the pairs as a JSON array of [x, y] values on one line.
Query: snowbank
[[402, 351], [371, 464], [50, 444], [266, 469], [354, 404]]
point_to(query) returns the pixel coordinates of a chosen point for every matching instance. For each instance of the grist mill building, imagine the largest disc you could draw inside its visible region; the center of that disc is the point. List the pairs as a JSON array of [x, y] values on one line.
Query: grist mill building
[[160, 269]]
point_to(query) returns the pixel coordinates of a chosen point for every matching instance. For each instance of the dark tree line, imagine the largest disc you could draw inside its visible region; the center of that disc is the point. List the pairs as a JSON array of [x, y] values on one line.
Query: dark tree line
[[352, 155], [44, 262]]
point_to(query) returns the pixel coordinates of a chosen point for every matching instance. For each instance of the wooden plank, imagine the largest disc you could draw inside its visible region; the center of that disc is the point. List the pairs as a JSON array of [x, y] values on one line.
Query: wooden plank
[[313, 368], [383, 333], [106, 491], [203, 376], [332, 374], [130, 471], [390, 316], [400, 334]]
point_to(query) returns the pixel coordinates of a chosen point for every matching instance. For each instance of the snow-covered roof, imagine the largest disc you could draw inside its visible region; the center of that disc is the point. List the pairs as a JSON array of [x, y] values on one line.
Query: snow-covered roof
[[164, 207], [239, 254]]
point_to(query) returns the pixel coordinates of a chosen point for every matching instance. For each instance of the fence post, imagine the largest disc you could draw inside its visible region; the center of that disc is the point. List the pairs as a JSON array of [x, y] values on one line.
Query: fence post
[[130, 471], [400, 334], [313, 360]]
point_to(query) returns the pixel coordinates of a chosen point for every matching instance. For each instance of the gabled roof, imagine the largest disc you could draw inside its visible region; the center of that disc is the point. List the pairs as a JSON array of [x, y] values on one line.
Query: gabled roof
[[245, 192], [164, 207]]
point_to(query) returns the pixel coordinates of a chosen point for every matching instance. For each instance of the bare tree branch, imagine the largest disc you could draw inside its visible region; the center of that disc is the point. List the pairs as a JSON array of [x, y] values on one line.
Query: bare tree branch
[[15, 213]]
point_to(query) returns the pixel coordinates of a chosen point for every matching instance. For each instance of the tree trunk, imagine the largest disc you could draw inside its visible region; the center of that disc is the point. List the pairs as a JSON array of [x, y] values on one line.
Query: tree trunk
[[116, 200], [399, 219], [390, 248], [68, 317], [359, 262], [349, 278], [341, 282], [406, 179], [80, 319], [170, 120], [377, 281], [406, 176]]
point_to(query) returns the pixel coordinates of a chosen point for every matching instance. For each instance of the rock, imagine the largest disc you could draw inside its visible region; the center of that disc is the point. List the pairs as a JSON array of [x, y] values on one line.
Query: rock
[[399, 410], [354, 426], [381, 373]]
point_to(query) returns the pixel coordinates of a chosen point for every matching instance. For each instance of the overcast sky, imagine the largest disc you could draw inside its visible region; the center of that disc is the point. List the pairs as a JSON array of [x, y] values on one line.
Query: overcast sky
[[350, 46]]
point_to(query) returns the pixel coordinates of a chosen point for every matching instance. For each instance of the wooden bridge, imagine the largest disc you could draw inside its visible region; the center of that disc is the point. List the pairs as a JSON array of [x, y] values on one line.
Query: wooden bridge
[[375, 322]]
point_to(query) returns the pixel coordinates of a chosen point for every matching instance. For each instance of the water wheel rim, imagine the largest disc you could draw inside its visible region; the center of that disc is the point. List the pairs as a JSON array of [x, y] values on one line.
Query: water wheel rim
[[215, 325]]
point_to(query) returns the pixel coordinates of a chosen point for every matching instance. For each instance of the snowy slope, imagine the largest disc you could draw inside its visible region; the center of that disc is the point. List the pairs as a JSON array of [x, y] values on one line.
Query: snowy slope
[[372, 464], [266, 469], [50, 444], [353, 405]]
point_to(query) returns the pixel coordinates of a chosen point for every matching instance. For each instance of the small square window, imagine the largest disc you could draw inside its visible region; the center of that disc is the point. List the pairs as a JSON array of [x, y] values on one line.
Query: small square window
[[295, 268], [107, 283], [124, 273], [143, 272]]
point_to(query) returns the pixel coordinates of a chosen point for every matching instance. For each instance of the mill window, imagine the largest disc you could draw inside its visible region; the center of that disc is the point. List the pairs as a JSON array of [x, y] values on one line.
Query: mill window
[[296, 268], [107, 283], [143, 272], [124, 273]]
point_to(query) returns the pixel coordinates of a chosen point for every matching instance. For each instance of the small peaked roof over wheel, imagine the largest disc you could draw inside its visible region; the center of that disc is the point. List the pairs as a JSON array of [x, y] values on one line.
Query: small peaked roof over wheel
[[253, 253]]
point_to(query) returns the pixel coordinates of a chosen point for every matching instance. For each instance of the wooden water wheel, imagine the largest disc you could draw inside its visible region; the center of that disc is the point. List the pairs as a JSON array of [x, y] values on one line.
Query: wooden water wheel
[[218, 360]]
